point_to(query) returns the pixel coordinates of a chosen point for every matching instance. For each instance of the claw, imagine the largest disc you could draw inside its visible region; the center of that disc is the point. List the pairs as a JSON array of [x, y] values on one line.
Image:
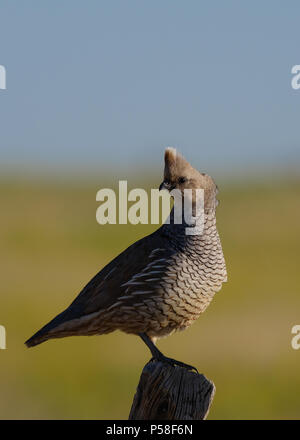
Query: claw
[[174, 362], [158, 356]]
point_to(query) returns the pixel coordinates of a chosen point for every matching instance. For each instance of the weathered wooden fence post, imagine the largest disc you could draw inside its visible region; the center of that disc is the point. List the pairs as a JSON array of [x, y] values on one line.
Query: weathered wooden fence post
[[171, 393]]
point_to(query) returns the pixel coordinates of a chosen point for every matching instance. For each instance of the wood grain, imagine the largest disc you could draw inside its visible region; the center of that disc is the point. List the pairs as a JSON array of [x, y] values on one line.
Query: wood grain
[[167, 392]]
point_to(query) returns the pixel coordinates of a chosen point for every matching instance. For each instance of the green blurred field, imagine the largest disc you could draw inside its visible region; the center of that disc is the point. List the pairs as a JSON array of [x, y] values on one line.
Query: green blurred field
[[51, 246]]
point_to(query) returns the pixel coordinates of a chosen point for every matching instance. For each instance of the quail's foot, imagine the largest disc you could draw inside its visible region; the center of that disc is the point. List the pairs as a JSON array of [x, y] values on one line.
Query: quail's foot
[[174, 362]]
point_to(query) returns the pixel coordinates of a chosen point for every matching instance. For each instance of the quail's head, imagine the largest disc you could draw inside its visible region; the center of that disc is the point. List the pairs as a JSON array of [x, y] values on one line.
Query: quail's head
[[180, 175]]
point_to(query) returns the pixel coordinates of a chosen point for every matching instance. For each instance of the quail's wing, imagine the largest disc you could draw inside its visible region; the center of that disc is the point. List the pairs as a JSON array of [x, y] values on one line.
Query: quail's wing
[[136, 271]]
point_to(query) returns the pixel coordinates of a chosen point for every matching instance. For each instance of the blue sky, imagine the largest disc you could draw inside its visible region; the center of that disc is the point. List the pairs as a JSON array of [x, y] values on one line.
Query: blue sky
[[104, 83]]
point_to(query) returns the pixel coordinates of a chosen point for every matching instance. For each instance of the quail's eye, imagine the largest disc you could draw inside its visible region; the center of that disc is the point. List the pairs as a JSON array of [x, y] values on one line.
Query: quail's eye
[[182, 179]]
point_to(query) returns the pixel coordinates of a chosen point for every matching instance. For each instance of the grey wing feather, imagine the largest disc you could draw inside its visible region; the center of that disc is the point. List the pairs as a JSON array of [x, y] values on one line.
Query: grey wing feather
[[118, 280], [136, 270]]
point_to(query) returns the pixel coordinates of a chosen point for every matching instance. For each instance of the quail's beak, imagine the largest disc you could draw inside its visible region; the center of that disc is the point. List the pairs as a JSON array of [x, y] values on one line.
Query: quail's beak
[[166, 185], [162, 186]]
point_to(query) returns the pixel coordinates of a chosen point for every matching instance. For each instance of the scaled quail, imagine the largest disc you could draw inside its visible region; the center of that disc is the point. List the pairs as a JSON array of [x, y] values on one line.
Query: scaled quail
[[159, 284]]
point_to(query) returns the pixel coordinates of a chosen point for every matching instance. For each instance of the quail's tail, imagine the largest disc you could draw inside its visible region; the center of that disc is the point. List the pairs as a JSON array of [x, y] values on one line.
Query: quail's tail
[[48, 331], [36, 339]]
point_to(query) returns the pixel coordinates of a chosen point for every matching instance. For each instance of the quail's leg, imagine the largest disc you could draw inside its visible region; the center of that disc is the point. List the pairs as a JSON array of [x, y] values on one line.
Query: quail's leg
[[157, 354]]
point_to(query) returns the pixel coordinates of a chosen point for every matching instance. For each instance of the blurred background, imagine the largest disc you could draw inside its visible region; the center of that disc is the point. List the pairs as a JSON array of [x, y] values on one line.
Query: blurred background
[[95, 92]]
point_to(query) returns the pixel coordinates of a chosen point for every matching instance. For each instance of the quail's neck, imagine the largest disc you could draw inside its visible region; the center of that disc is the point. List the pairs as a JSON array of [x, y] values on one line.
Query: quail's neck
[[197, 227]]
